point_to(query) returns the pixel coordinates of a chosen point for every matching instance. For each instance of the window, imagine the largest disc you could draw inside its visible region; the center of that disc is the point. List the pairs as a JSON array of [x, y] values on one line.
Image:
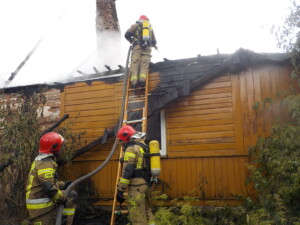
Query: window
[[156, 130]]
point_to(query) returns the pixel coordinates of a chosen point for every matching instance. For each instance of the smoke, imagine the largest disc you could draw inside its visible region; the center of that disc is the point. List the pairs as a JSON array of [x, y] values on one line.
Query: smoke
[[110, 51], [69, 44]]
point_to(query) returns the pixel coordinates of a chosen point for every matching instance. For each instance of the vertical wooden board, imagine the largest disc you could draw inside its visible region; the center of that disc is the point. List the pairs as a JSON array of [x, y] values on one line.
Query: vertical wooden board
[[199, 176], [114, 170], [257, 100], [250, 101], [181, 175], [189, 175], [206, 173], [225, 177], [285, 79], [104, 180], [99, 178], [62, 103], [218, 177], [232, 180], [109, 178], [170, 177], [212, 178], [266, 93], [237, 174], [275, 86], [194, 175], [242, 173], [176, 179], [163, 176], [245, 113], [237, 111], [274, 81]]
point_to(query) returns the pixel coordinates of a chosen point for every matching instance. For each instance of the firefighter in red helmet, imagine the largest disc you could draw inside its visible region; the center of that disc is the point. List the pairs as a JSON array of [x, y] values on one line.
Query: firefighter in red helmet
[[43, 191], [142, 38], [136, 176]]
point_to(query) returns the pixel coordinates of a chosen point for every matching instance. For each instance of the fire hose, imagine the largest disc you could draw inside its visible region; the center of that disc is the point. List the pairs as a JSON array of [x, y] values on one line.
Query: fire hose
[[61, 207]]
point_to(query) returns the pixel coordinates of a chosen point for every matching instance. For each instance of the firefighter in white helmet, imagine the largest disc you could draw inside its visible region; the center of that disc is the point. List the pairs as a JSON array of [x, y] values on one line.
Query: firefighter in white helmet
[[43, 191], [142, 38], [136, 176]]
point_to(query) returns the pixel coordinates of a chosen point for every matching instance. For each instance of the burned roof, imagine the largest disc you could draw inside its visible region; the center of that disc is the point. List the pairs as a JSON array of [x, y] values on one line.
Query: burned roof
[[180, 77]]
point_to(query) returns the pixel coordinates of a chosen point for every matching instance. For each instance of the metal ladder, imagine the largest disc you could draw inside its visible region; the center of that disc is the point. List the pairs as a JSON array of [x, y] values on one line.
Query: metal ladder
[[135, 114]]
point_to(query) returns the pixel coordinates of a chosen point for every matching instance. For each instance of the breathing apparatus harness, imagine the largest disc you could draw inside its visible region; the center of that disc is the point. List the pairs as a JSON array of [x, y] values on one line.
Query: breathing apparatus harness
[[143, 34], [145, 172]]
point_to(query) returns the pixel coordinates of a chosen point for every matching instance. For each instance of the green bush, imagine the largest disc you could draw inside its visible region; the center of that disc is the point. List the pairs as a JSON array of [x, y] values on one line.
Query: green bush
[[275, 174]]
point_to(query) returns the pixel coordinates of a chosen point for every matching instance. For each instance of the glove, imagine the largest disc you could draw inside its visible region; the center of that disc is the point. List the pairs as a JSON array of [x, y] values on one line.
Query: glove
[[66, 185], [120, 196], [71, 198]]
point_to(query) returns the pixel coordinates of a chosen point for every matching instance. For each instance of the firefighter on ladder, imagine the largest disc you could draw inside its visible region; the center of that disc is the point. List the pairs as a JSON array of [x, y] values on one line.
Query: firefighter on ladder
[[142, 38], [136, 176], [43, 190]]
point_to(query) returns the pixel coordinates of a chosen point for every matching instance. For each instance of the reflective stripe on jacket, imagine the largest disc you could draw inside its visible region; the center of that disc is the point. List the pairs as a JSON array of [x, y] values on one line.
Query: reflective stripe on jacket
[[43, 170], [39, 203]]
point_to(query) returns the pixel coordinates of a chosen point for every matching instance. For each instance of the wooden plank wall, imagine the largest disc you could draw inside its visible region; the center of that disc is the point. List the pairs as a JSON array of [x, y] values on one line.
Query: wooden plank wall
[[92, 108], [208, 132]]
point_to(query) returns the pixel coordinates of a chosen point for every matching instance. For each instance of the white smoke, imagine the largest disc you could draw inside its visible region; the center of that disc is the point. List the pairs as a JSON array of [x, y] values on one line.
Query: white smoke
[[69, 44], [182, 30], [109, 50]]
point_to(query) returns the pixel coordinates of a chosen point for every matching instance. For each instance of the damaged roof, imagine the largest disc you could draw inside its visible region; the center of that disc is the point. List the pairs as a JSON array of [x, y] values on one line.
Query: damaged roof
[[180, 77]]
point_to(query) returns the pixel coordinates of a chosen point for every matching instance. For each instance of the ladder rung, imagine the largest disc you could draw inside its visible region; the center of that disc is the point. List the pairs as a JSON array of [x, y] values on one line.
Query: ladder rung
[[136, 97], [133, 121], [123, 211], [133, 101], [138, 88], [134, 110]]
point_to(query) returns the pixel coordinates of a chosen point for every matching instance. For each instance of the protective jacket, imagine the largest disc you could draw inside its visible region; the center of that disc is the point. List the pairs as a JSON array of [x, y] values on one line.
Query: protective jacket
[[136, 166], [42, 186], [136, 176], [43, 189]]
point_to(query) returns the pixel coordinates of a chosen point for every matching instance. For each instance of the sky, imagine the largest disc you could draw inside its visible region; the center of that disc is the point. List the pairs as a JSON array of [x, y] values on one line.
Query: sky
[[183, 29]]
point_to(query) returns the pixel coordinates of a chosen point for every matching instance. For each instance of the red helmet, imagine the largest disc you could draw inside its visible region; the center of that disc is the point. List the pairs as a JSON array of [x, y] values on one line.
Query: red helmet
[[143, 17], [126, 132], [50, 143]]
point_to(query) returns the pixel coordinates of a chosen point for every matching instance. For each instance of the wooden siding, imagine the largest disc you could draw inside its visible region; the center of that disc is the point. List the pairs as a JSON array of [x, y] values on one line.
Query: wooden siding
[[202, 122], [208, 132], [92, 108]]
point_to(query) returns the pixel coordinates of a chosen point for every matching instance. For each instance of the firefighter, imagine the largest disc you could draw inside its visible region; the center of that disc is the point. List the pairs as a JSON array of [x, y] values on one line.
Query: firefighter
[[136, 176], [142, 38], [43, 191]]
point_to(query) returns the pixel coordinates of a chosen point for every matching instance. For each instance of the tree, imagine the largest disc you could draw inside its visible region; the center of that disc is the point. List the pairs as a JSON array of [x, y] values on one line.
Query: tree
[[288, 36], [20, 131]]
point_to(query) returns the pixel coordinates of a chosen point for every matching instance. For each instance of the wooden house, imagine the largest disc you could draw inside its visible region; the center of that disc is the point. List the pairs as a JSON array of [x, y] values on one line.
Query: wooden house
[[202, 111]]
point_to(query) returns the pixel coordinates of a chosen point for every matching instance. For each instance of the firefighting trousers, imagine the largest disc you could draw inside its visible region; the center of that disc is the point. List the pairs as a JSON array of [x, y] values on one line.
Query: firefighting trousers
[[47, 216], [139, 65], [139, 204]]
